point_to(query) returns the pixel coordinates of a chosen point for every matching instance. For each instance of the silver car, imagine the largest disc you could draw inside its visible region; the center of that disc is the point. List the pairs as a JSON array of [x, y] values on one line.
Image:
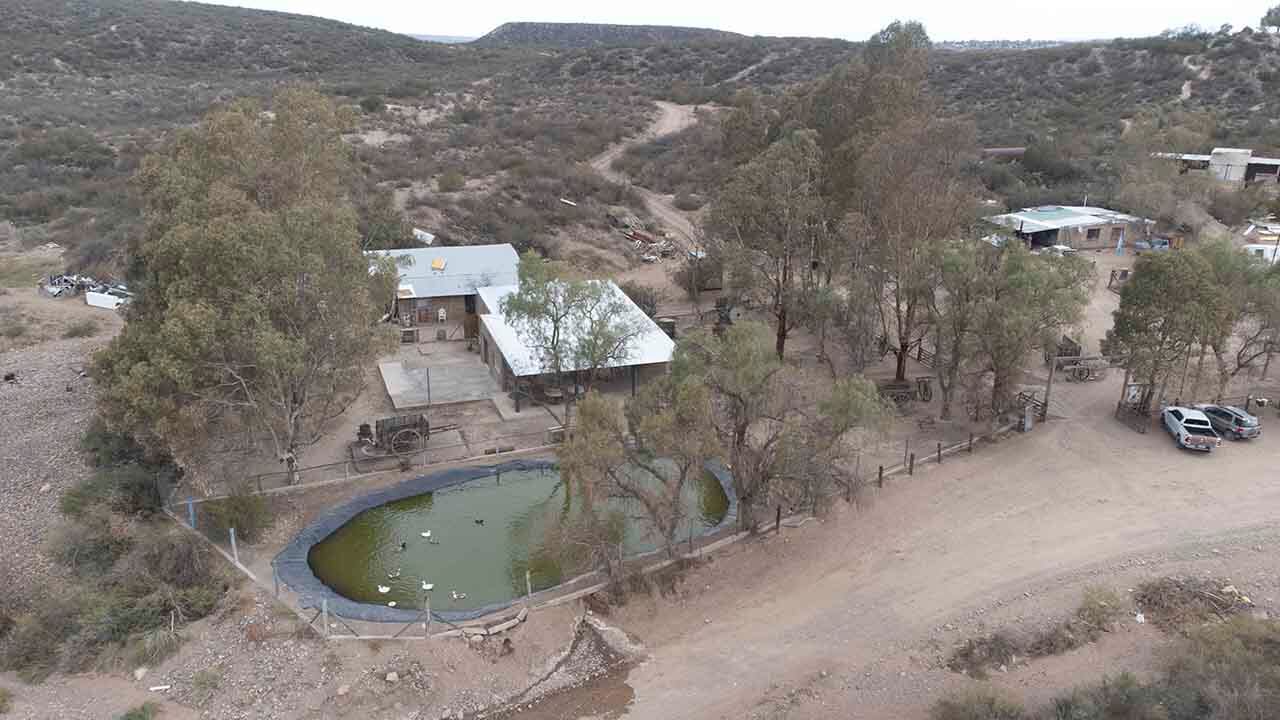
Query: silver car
[[1232, 421]]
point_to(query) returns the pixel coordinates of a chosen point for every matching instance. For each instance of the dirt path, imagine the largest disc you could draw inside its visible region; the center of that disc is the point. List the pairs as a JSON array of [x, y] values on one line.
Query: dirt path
[[844, 618], [671, 119]]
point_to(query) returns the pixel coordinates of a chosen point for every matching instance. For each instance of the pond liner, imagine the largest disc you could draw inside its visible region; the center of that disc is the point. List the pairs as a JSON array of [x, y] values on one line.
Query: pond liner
[[294, 569]]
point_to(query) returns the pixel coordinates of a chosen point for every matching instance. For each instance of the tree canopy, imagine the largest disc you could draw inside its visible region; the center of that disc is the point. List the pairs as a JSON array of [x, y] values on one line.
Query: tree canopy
[[256, 309]]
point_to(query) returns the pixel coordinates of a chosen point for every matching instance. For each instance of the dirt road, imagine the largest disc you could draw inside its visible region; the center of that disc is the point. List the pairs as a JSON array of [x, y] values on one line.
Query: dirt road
[[671, 118], [843, 618]]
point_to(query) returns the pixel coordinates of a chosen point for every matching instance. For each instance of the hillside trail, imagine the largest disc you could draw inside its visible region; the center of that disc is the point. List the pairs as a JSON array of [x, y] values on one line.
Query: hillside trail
[[672, 118], [1203, 72]]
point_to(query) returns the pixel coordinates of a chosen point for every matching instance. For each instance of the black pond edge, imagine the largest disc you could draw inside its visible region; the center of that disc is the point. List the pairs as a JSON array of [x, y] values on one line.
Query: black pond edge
[[293, 569]]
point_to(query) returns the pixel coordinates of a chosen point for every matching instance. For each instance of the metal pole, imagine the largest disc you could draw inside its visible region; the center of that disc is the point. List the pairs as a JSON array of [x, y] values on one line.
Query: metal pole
[[528, 587], [911, 467], [324, 614], [235, 553], [777, 521], [906, 445], [880, 477], [427, 602], [191, 513], [971, 442], [939, 453], [428, 386], [1048, 387], [275, 580]]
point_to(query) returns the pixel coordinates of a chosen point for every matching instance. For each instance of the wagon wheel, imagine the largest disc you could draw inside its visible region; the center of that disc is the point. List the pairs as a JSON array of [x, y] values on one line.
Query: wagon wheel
[[1080, 373], [406, 440]]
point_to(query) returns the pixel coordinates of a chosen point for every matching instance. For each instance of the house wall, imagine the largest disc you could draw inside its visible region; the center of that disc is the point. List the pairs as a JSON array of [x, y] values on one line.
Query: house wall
[[1081, 238], [424, 312]]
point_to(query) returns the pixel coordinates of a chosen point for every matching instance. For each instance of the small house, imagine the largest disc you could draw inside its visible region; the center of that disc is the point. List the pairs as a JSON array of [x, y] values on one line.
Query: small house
[[437, 285], [1079, 227]]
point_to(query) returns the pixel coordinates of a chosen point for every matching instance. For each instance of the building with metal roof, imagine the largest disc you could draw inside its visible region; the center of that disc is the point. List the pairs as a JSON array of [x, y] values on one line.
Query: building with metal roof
[[509, 357], [437, 285], [1081, 227], [1231, 165]]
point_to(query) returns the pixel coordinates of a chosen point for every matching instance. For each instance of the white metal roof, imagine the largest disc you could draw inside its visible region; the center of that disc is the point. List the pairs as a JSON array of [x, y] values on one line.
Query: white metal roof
[[447, 271], [1056, 217], [650, 346]]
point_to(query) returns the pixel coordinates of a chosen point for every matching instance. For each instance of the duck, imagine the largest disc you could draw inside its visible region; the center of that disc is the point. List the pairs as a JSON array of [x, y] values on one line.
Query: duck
[[433, 541], [391, 604], [426, 534], [394, 575], [457, 595], [479, 521], [427, 587], [404, 546], [384, 589]]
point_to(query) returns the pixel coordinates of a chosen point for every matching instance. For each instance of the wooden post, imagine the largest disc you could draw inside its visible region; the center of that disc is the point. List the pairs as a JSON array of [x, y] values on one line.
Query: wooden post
[[911, 466], [427, 604], [906, 446], [939, 452], [880, 477], [528, 587], [971, 442], [324, 615], [777, 521], [1048, 388], [235, 553], [275, 580]]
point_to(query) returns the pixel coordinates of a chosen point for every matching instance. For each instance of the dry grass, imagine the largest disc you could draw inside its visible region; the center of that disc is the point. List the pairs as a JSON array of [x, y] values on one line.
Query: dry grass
[[1176, 603]]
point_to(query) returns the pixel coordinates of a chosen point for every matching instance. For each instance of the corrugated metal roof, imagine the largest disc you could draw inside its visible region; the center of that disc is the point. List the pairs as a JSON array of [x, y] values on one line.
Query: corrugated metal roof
[[650, 346], [1056, 217], [462, 269]]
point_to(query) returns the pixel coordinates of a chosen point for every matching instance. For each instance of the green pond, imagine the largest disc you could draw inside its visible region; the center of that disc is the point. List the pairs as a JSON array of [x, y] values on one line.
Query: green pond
[[484, 535]]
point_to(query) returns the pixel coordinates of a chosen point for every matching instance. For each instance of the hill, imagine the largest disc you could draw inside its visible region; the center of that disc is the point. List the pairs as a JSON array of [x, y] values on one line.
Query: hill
[[576, 35]]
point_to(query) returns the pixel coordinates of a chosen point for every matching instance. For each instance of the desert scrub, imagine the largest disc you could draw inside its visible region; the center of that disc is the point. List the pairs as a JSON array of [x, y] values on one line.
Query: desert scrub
[[81, 329], [977, 704], [145, 711]]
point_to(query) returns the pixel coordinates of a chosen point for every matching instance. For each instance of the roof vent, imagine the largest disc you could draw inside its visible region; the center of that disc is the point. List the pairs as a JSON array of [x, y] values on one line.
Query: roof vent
[[438, 264]]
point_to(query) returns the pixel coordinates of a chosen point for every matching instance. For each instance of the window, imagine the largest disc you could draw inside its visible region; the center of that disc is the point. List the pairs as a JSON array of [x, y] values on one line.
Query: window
[[469, 304], [1093, 233], [1176, 415]]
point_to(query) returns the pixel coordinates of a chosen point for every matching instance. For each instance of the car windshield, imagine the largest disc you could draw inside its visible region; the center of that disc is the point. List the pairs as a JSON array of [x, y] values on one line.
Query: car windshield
[[1197, 422]]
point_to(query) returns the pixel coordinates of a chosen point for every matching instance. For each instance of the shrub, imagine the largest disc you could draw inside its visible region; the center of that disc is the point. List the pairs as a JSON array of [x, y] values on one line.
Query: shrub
[[90, 544], [13, 328], [978, 654], [32, 648], [153, 647], [1121, 698], [145, 711], [128, 489], [81, 329], [644, 296], [1172, 603], [204, 683], [6, 700], [373, 104], [242, 510], [977, 705], [689, 202], [451, 181]]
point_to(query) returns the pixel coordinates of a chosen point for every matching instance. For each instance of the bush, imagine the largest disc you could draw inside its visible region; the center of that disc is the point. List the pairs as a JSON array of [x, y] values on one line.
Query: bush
[[644, 296], [90, 544], [6, 700], [977, 705], [689, 202], [1173, 603], [145, 711], [978, 655], [81, 329], [451, 181], [128, 489], [373, 104], [242, 510], [32, 649]]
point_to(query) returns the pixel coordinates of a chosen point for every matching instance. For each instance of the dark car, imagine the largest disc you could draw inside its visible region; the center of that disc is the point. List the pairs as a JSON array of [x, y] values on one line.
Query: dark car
[[1231, 421]]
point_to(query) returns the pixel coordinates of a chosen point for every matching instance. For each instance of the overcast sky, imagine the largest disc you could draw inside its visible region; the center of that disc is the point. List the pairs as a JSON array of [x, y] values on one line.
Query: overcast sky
[[944, 19]]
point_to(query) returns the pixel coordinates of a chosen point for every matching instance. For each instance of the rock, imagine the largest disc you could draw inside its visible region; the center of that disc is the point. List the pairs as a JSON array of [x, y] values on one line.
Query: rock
[[344, 689], [46, 487], [140, 673], [393, 677], [1230, 590]]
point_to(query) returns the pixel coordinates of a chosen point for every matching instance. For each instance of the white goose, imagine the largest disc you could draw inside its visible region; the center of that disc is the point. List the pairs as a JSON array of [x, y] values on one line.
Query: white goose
[[426, 534], [457, 595], [427, 587], [384, 589]]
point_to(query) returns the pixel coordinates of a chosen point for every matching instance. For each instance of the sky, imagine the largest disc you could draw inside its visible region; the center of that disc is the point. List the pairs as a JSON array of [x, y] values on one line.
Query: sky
[[944, 19]]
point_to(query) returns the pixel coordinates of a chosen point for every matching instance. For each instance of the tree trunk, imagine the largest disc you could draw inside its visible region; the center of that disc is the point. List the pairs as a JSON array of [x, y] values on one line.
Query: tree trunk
[[900, 374], [781, 345]]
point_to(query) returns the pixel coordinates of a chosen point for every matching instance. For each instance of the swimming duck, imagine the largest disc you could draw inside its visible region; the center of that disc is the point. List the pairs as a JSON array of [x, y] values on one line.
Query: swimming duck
[[384, 589], [428, 587], [457, 595], [426, 533]]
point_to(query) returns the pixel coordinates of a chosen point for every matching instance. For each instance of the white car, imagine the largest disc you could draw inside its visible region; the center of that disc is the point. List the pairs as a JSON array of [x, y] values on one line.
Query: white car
[[1190, 428]]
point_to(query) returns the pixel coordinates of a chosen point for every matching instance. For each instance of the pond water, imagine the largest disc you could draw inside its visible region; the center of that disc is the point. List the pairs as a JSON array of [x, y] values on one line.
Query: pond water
[[483, 536]]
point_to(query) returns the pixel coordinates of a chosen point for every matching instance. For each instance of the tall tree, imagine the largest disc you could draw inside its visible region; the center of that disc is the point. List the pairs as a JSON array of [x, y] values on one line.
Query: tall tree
[[1029, 299], [964, 284], [913, 193], [648, 456], [767, 223], [255, 307], [778, 448]]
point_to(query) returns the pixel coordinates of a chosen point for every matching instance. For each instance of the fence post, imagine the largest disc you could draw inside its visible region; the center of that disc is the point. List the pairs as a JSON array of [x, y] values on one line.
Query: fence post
[[777, 521], [427, 603], [324, 615], [235, 553], [911, 466], [528, 587], [939, 453], [259, 479], [275, 580], [191, 513], [971, 442], [906, 446], [880, 478]]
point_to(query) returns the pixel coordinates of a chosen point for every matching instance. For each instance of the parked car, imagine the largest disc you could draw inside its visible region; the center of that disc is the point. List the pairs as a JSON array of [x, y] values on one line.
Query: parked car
[[1190, 428], [1231, 421], [1158, 244]]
